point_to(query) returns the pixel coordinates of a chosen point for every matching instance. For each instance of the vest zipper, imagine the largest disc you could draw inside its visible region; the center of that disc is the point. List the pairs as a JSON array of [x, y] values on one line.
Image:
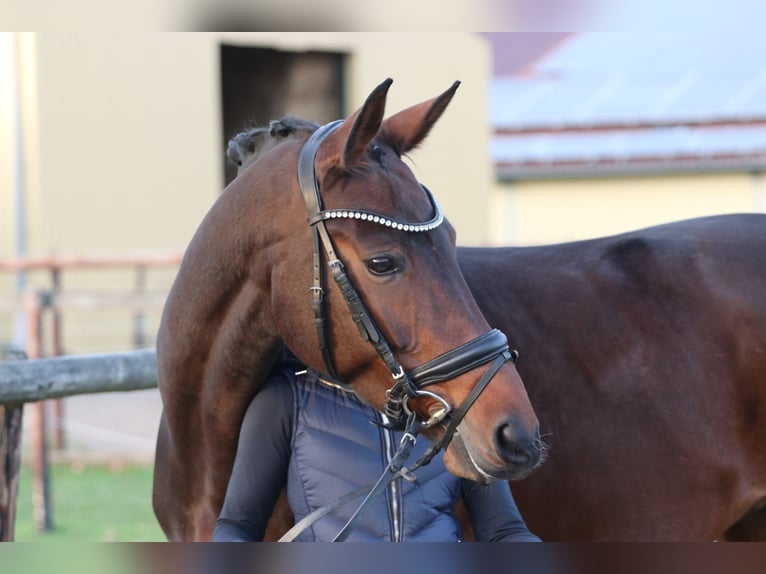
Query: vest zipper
[[395, 487]]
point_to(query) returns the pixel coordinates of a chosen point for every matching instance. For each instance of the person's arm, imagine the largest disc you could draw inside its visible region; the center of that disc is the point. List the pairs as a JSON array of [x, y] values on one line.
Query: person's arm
[[260, 467], [494, 514]]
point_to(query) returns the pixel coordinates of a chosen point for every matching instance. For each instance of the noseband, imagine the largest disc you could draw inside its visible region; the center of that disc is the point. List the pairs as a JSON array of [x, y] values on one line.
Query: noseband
[[489, 347]]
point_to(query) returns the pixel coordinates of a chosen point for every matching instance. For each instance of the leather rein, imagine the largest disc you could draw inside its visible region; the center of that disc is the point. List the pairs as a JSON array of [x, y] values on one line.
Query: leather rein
[[491, 347]]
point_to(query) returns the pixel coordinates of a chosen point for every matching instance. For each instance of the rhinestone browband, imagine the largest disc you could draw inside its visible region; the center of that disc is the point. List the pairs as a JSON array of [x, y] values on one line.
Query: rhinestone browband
[[373, 217]]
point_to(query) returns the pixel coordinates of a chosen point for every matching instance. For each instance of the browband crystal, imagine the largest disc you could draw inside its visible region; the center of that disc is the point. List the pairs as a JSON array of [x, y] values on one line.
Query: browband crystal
[[373, 217]]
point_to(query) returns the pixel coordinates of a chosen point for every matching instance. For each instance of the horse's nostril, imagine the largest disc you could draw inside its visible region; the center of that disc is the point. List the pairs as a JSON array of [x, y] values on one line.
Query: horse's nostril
[[514, 447]]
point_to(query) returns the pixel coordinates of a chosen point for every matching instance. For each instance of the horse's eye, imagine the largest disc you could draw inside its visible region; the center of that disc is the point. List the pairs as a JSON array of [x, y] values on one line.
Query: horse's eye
[[382, 265]]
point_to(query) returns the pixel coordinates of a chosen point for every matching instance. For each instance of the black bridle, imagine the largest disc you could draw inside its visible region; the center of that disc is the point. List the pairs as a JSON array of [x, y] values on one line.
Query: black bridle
[[491, 347]]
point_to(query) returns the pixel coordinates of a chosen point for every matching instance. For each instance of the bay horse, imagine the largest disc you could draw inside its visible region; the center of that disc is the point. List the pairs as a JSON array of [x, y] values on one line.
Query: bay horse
[[249, 282], [644, 355]]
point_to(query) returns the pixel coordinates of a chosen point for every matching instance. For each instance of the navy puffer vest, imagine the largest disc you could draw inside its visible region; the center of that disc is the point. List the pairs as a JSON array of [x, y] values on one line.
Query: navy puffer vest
[[336, 449]]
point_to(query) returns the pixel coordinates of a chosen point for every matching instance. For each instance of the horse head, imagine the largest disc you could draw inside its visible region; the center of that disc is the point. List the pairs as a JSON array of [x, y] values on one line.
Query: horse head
[[380, 235]]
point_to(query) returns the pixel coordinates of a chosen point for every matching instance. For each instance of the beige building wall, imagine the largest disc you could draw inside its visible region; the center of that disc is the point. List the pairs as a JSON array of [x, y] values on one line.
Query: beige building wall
[[124, 155], [7, 136], [7, 161], [128, 140], [6, 127], [552, 211]]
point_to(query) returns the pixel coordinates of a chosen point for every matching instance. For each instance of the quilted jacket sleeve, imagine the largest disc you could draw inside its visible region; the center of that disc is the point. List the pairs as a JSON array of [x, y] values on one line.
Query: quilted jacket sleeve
[[494, 514]]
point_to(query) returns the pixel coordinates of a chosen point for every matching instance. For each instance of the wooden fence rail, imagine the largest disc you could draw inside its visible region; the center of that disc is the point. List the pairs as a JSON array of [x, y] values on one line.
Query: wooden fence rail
[[33, 381], [30, 381]]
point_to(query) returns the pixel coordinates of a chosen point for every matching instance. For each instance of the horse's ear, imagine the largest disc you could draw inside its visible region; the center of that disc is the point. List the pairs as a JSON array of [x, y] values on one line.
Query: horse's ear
[[405, 130], [351, 140]]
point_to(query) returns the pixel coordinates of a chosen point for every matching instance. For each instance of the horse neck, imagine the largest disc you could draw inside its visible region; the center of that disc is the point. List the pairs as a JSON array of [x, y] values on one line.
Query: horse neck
[[222, 299]]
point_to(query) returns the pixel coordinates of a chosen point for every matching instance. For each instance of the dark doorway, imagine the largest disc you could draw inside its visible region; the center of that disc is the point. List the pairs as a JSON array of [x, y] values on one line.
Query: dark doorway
[[261, 84]]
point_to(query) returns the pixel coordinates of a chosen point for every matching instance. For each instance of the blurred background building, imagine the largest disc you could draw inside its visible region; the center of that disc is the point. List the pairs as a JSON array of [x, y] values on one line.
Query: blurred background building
[[112, 144], [602, 132]]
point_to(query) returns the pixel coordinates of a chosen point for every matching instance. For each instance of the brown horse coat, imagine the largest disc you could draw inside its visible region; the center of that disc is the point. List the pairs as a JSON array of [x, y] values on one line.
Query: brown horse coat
[[644, 355]]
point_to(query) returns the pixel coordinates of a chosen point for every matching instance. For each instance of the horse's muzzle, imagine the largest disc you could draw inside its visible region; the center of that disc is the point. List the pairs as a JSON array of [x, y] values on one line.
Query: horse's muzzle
[[517, 447]]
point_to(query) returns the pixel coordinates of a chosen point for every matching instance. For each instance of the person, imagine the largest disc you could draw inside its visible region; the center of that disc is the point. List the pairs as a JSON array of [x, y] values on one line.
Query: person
[[316, 438]]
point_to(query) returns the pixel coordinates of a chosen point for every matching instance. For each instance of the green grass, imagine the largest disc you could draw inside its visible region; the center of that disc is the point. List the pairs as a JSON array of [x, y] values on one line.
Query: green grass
[[92, 503]]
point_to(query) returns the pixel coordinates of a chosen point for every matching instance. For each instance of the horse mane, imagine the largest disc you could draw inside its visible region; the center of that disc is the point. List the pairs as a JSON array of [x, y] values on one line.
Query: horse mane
[[245, 147]]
